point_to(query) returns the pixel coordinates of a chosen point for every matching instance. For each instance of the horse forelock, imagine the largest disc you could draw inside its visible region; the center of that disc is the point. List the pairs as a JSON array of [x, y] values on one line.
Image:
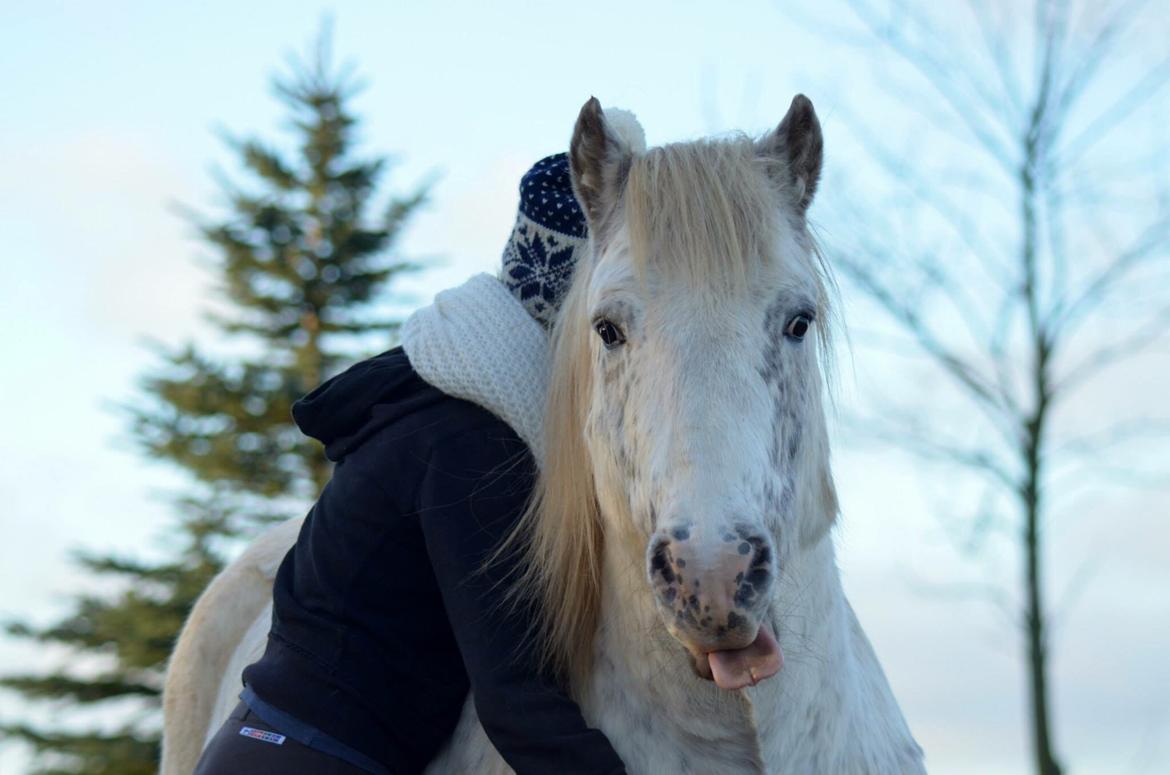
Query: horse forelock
[[715, 211], [709, 210]]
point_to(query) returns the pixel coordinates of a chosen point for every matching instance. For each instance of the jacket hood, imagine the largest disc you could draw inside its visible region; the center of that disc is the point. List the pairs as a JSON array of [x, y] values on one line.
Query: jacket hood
[[348, 408], [475, 342]]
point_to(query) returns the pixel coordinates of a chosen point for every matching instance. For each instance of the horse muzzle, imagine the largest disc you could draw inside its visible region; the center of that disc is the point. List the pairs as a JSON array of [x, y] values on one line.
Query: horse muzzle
[[713, 591]]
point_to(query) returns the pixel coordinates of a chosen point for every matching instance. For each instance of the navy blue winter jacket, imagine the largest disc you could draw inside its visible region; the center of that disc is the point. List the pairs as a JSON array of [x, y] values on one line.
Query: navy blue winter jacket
[[383, 615]]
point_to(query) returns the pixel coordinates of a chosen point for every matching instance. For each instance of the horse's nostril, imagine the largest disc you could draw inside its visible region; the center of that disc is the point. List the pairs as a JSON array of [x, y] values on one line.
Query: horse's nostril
[[763, 557], [661, 561], [751, 585]]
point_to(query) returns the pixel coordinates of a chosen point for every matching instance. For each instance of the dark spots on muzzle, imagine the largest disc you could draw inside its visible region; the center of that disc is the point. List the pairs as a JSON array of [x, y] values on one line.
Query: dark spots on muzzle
[[734, 622]]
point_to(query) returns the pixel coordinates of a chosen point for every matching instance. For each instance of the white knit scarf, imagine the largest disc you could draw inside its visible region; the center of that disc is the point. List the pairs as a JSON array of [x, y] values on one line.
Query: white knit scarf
[[478, 343]]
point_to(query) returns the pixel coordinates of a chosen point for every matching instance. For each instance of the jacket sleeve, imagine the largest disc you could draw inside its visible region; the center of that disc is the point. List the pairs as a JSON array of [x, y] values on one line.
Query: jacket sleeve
[[475, 488]]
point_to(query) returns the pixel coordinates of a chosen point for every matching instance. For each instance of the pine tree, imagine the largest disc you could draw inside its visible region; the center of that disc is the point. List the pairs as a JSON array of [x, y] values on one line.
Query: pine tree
[[302, 259]]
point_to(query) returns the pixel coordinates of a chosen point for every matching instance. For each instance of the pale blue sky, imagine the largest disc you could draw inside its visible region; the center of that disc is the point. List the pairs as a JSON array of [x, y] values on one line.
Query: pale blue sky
[[107, 114]]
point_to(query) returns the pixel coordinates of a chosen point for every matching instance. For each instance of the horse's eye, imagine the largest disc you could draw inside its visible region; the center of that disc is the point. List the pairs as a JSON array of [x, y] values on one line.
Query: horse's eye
[[610, 334], [798, 327]]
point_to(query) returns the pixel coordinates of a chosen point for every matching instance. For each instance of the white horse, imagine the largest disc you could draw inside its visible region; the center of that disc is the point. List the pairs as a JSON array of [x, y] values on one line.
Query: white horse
[[679, 540]]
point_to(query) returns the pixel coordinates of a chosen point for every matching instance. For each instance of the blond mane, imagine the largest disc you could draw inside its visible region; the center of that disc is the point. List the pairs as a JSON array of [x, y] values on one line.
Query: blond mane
[[711, 208]]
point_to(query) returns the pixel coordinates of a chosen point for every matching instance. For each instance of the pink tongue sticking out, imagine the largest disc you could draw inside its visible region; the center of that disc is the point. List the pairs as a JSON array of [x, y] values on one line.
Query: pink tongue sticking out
[[737, 668]]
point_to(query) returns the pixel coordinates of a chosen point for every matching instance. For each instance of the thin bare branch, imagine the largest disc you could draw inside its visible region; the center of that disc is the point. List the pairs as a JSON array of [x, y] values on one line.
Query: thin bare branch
[[1155, 238], [922, 334], [961, 222], [980, 525], [1121, 474], [1096, 53], [968, 591], [997, 349], [1053, 217], [1075, 589], [1116, 351], [1117, 112], [942, 79], [828, 26], [932, 447], [1126, 432], [998, 52], [941, 59], [934, 273]]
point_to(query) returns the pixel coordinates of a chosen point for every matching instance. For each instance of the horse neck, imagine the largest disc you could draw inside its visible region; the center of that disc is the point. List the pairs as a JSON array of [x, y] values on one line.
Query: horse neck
[[832, 704], [829, 692]]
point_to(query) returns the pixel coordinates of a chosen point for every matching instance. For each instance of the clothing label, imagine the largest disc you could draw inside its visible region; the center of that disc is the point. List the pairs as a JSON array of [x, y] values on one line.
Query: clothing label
[[262, 735]]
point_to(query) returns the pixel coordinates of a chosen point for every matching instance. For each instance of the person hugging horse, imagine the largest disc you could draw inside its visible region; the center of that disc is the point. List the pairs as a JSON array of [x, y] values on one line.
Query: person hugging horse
[[386, 611]]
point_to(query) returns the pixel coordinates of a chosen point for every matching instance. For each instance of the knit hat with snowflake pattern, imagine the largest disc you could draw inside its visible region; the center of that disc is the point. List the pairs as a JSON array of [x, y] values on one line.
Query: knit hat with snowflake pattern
[[550, 232], [548, 238]]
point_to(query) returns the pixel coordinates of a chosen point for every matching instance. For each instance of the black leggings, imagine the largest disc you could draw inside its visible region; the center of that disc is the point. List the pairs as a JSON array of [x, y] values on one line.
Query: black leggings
[[245, 745]]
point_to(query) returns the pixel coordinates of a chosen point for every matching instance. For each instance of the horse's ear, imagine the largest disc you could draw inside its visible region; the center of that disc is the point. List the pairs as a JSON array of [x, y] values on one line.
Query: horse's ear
[[599, 160], [798, 143]]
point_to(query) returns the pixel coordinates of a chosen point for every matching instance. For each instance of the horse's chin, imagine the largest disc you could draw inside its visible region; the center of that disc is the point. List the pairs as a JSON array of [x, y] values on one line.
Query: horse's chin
[[740, 668]]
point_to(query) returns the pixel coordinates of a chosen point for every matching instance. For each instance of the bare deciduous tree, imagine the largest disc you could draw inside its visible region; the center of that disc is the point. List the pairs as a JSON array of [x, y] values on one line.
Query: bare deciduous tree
[[1052, 200]]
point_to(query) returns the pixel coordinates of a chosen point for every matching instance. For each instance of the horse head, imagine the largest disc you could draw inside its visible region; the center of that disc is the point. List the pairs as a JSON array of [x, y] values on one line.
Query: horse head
[[685, 417]]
